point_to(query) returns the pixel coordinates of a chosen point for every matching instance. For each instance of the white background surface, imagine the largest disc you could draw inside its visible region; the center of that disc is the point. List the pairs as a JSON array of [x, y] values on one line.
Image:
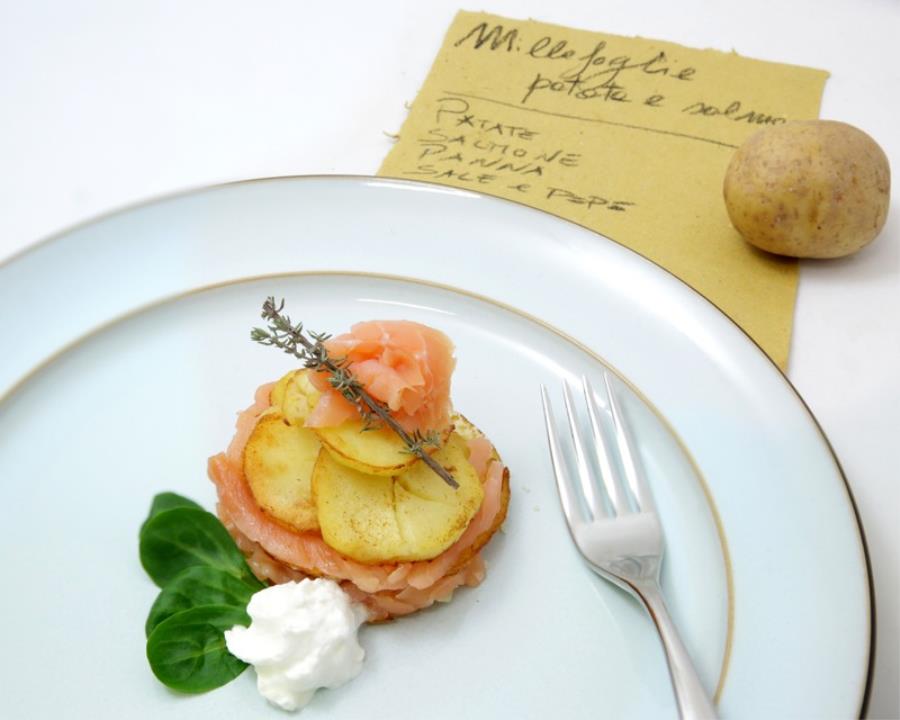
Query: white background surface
[[108, 103]]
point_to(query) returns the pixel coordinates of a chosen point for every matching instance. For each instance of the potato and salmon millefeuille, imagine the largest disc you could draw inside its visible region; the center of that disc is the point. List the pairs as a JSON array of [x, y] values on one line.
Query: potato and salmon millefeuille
[[314, 485]]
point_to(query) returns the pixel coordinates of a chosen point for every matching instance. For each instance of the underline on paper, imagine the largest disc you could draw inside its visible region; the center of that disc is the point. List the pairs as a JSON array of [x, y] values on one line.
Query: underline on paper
[[591, 120]]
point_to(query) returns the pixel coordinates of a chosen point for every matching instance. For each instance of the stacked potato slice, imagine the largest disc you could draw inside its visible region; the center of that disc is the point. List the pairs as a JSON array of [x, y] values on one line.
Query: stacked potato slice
[[370, 499]]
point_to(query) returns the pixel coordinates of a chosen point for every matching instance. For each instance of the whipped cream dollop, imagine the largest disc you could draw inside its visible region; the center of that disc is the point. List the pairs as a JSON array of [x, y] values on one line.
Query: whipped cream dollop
[[303, 636]]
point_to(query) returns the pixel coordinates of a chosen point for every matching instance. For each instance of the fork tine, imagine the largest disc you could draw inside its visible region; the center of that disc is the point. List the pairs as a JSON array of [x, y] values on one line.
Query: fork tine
[[628, 453], [585, 475], [567, 496], [611, 480]]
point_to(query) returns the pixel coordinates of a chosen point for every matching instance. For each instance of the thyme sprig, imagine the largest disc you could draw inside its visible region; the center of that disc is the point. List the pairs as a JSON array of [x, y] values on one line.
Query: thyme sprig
[[293, 340]]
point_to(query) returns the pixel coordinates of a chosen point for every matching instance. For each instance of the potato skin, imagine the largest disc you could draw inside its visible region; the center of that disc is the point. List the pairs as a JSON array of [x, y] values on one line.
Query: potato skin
[[811, 189]]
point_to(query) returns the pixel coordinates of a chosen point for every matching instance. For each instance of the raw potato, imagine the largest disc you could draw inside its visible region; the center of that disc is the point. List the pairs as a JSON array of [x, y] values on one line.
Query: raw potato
[[414, 516], [278, 464], [816, 189]]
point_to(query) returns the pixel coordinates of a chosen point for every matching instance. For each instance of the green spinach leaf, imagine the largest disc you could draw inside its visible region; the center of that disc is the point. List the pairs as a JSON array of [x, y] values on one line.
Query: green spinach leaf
[[167, 501], [183, 537], [187, 651], [200, 585]]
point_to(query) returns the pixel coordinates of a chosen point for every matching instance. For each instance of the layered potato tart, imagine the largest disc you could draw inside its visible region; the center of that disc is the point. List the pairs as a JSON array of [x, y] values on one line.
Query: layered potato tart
[[308, 487]]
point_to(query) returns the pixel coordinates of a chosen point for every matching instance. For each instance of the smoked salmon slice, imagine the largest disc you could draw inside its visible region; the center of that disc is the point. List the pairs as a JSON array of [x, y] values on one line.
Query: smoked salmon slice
[[405, 365]]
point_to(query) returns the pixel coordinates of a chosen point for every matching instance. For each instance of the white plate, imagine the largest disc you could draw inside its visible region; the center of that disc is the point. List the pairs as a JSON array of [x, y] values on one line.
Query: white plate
[[126, 355]]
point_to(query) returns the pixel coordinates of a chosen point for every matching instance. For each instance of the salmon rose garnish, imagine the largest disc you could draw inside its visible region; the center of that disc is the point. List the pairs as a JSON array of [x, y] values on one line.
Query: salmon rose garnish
[[405, 365]]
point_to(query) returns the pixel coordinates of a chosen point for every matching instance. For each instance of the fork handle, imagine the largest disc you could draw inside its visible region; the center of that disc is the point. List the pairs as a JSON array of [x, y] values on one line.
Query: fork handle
[[693, 702]]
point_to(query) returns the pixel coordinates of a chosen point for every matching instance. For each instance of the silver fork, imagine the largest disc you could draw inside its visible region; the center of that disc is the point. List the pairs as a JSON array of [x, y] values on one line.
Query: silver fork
[[621, 544]]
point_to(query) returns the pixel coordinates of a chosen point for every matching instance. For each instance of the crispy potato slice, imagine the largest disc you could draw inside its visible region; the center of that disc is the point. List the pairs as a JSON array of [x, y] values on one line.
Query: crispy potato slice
[[374, 452], [276, 394], [356, 511], [298, 398], [278, 463], [431, 514], [462, 426], [413, 516]]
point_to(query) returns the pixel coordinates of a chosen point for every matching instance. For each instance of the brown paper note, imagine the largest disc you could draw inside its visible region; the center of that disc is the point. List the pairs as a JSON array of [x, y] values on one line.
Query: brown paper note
[[628, 136]]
